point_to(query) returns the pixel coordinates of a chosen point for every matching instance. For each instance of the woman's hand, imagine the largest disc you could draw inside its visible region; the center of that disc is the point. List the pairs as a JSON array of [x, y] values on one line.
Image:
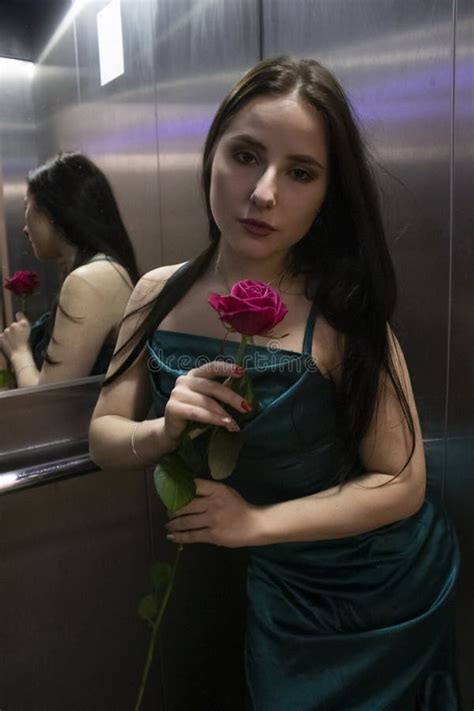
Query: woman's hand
[[218, 515], [195, 397], [14, 339]]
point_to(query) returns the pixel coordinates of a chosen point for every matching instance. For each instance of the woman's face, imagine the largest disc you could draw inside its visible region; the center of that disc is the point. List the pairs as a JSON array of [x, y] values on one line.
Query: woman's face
[[269, 176], [41, 232]]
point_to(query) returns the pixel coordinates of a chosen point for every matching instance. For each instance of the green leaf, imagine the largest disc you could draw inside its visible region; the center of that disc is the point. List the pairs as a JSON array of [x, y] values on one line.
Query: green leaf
[[160, 574], [193, 452], [174, 482], [148, 608], [224, 448]]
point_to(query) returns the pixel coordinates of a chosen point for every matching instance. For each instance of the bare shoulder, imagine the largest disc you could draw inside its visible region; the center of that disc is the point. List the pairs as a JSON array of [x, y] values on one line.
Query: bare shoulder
[[153, 281], [103, 272], [76, 289]]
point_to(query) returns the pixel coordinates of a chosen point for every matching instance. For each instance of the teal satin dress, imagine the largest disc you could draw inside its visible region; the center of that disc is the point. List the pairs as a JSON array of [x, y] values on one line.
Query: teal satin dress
[[363, 623]]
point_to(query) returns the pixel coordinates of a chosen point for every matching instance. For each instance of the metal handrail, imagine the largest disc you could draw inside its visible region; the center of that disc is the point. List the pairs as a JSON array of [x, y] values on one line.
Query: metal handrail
[[47, 472]]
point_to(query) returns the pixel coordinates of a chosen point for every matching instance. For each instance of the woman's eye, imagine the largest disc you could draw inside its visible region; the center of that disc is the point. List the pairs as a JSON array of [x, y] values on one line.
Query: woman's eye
[[301, 175], [244, 157]]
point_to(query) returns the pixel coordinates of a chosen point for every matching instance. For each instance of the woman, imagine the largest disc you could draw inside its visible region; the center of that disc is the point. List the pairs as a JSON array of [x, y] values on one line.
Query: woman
[[72, 218], [351, 571]]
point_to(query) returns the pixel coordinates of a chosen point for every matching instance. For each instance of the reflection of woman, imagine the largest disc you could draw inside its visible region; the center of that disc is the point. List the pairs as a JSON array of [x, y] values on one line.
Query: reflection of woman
[[71, 217], [351, 569]]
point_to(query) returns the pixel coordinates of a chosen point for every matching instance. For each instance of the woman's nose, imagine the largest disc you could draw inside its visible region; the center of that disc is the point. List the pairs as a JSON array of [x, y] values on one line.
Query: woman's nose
[[264, 193]]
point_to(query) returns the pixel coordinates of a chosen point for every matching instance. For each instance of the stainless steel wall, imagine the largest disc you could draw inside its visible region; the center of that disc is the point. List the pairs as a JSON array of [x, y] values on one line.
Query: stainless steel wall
[[17, 156], [115, 124], [201, 49], [146, 128]]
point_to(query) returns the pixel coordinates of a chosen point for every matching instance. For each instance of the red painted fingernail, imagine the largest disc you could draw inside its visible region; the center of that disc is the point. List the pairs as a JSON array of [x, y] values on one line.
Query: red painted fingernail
[[246, 405], [238, 369]]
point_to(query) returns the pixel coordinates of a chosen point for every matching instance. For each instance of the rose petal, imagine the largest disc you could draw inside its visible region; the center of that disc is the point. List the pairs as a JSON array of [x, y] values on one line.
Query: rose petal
[[252, 308]]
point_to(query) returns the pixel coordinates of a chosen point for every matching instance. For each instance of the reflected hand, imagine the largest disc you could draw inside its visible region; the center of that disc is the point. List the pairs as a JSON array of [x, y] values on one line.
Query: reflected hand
[[217, 515], [14, 339]]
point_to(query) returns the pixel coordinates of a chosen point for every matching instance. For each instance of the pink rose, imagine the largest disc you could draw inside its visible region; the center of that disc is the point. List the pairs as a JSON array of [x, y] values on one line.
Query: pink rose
[[22, 282], [252, 308]]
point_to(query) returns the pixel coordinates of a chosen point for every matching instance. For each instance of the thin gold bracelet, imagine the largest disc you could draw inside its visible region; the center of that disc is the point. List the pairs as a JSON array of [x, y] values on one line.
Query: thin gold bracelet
[[28, 365], [132, 442]]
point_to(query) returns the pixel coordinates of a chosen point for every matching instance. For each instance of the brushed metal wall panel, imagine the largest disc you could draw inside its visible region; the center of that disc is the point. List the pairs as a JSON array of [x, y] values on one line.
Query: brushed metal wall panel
[[460, 425], [394, 60], [116, 123], [50, 415], [18, 147], [75, 556], [55, 92], [202, 47], [74, 566]]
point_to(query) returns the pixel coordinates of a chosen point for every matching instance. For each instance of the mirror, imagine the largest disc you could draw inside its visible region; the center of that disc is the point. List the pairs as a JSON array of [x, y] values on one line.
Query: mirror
[[63, 230]]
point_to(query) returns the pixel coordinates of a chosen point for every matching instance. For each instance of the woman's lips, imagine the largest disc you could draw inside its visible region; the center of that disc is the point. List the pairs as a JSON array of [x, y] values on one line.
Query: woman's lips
[[255, 227]]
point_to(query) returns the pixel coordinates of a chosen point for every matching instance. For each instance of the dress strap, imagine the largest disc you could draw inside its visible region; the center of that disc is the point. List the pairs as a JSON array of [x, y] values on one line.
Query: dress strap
[[308, 334]]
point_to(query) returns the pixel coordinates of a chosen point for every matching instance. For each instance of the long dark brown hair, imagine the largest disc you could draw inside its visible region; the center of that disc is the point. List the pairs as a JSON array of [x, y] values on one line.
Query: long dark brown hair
[[344, 252], [76, 196]]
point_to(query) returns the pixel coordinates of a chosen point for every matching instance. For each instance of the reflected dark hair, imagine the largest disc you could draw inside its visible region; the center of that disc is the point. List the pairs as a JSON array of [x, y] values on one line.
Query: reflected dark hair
[[344, 255], [76, 196]]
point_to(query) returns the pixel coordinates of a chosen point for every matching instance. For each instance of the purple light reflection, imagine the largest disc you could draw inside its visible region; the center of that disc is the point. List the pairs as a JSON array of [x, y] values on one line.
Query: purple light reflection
[[424, 94], [145, 135]]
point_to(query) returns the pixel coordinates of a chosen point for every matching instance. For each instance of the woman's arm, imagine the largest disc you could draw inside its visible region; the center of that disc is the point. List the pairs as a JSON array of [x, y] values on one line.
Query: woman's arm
[[220, 515], [127, 400], [89, 298]]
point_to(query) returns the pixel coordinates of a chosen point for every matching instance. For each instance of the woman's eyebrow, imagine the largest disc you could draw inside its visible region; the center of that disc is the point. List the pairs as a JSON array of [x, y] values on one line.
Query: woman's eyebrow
[[296, 157]]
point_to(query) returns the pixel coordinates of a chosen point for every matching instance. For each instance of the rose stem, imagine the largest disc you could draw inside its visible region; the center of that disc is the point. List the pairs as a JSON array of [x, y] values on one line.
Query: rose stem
[[242, 345], [151, 647]]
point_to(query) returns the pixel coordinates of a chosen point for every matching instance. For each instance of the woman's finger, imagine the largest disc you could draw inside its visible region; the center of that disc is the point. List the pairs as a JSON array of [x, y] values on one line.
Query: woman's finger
[[196, 506], [186, 523], [190, 396], [183, 411], [206, 487], [219, 391], [201, 535], [216, 368]]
